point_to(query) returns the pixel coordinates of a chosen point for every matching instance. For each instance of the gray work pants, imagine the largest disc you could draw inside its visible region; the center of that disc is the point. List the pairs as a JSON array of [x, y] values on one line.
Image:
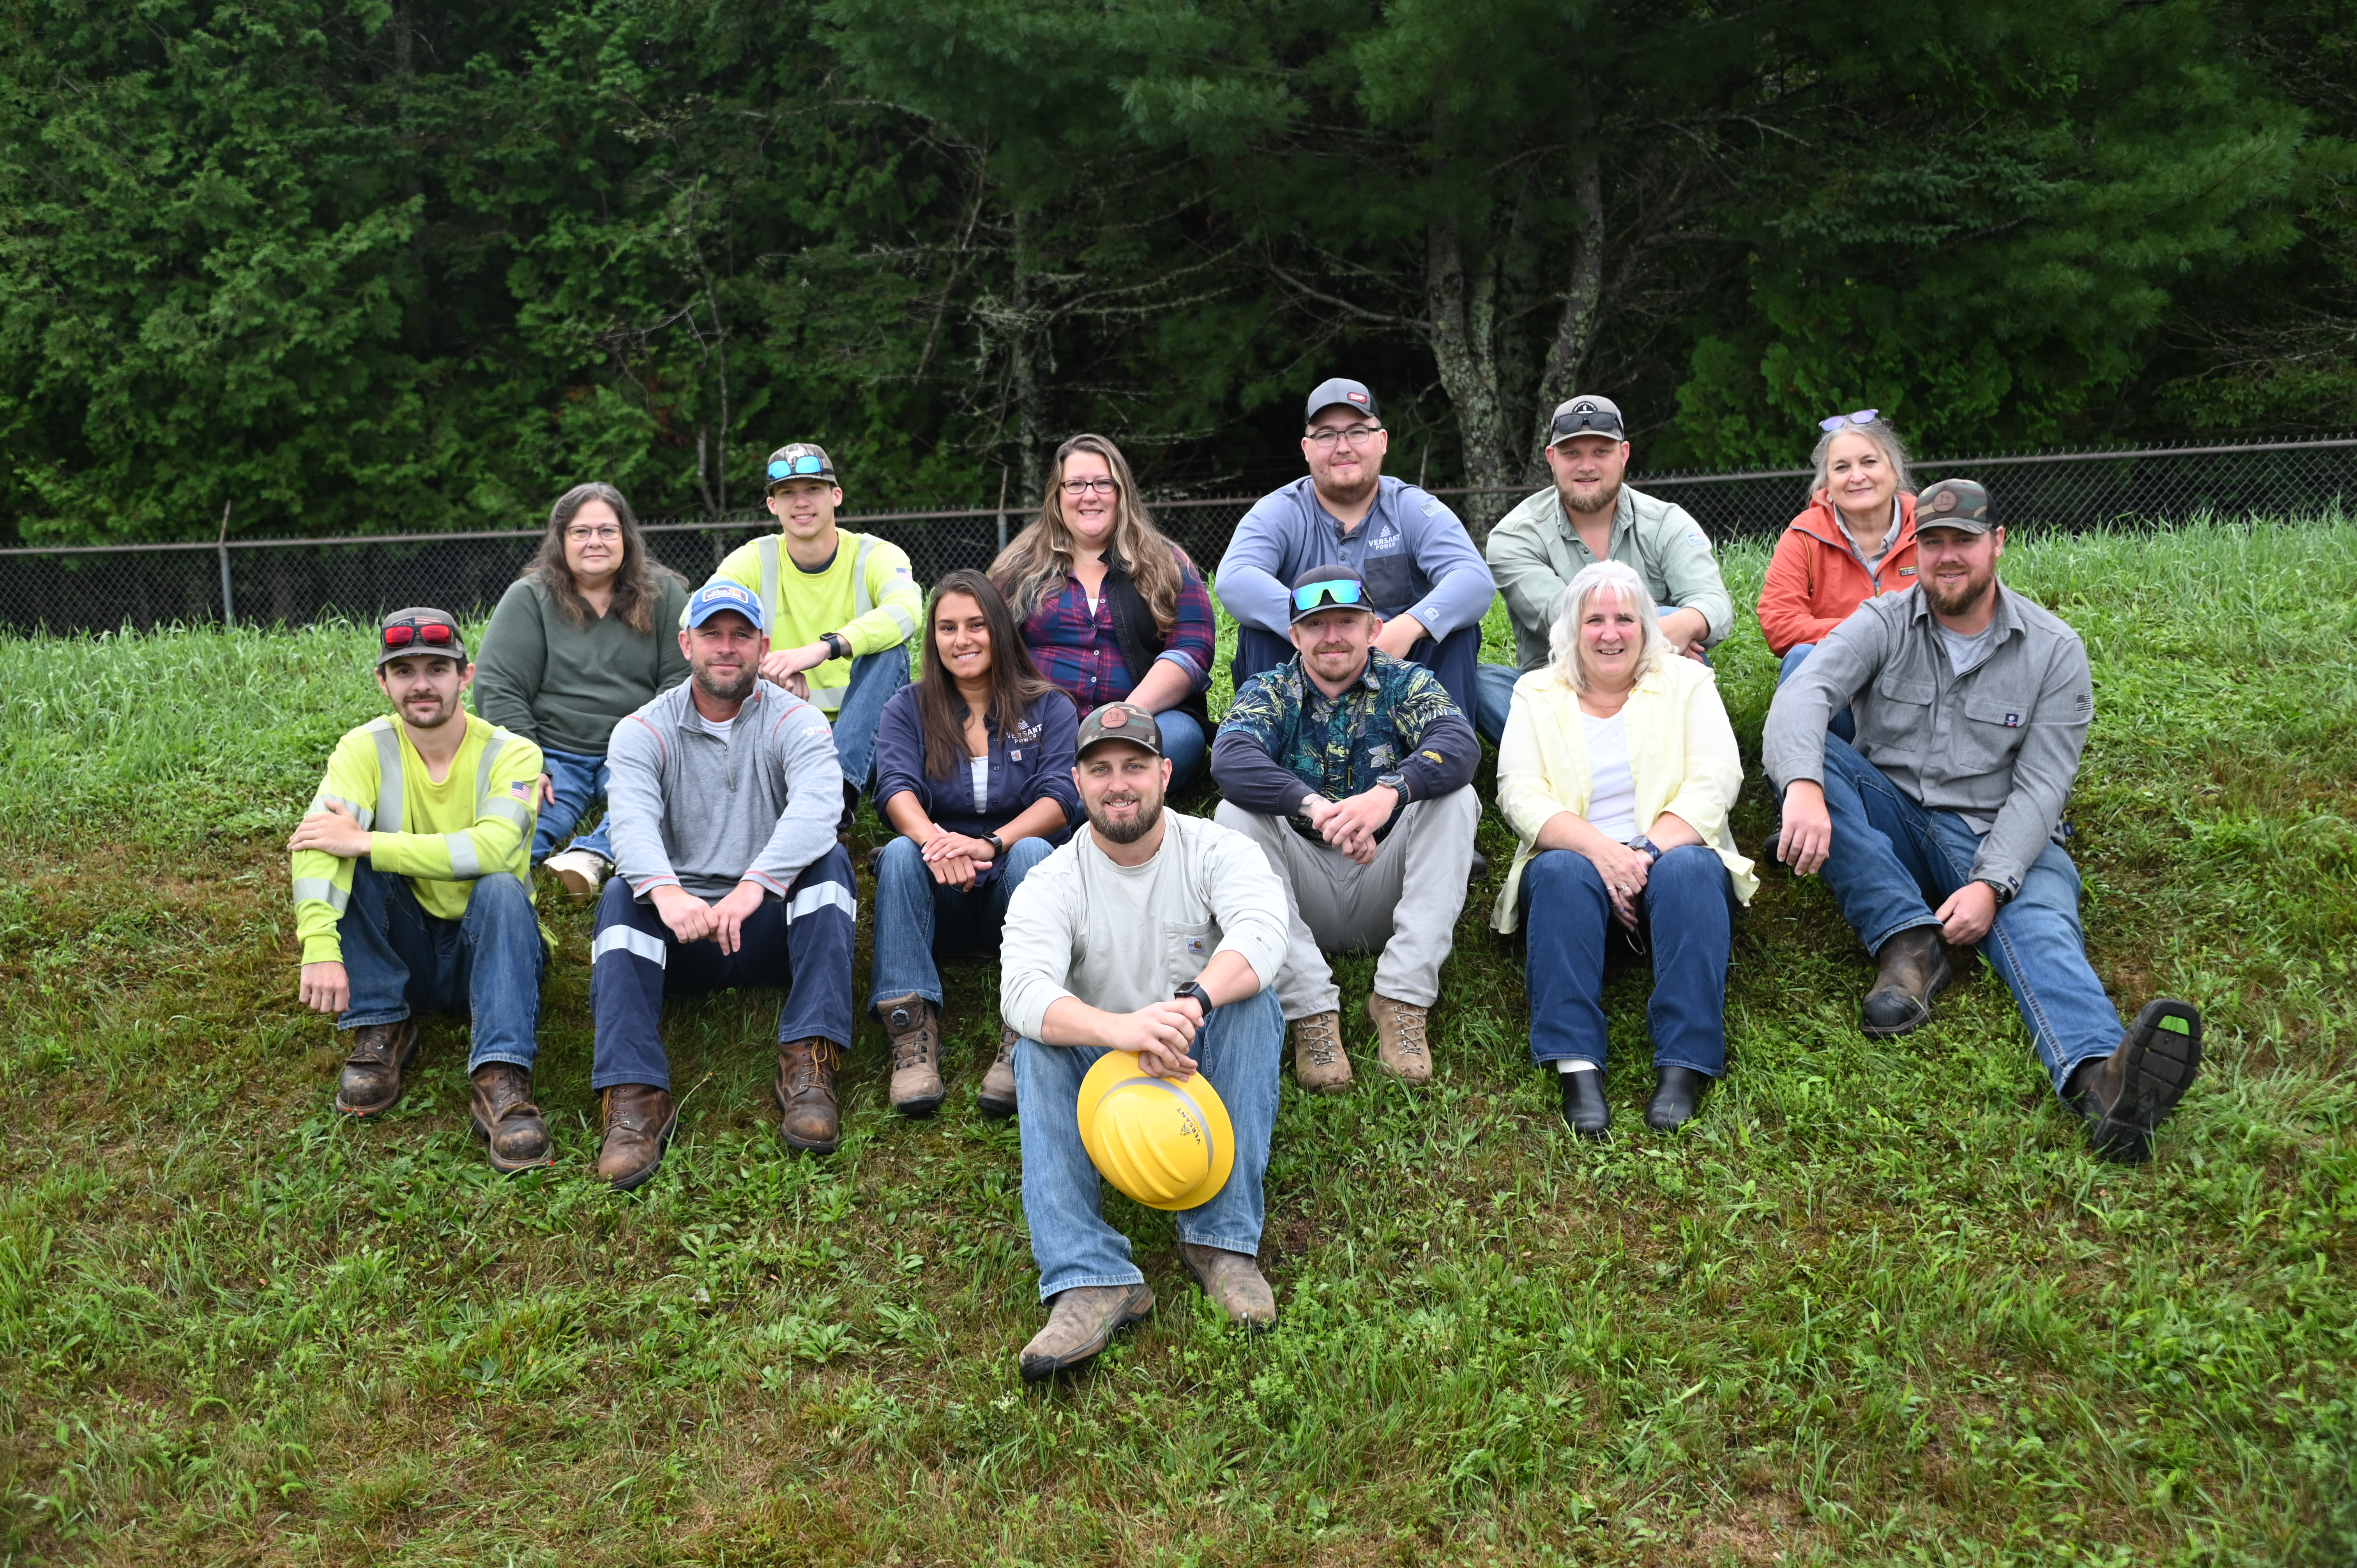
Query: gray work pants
[[1403, 904]]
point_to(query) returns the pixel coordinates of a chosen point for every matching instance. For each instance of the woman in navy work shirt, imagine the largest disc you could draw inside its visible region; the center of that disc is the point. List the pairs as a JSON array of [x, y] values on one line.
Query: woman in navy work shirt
[[1110, 607], [974, 767]]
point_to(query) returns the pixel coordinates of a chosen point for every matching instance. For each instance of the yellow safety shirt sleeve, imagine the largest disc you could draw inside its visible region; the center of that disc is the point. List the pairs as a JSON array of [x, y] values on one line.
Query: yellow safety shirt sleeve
[[505, 821], [323, 883], [899, 605]]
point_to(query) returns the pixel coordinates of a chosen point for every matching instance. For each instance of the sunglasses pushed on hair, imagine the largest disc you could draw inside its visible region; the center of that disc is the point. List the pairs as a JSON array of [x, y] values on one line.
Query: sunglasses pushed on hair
[[430, 634], [1836, 422], [1339, 592]]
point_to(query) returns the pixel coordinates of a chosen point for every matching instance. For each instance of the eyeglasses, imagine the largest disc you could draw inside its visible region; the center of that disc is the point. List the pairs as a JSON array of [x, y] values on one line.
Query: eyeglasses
[[1863, 417], [1586, 422], [584, 535], [1357, 436], [1077, 488], [1341, 591], [802, 467], [432, 634]]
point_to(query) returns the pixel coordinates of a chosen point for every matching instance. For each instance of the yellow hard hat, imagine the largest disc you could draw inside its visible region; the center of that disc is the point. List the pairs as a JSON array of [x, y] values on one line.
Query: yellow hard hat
[[1166, 1144]]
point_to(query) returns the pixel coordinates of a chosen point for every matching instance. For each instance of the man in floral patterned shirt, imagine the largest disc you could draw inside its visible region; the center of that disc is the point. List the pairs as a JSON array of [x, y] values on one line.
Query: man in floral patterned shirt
[[1353, 771]]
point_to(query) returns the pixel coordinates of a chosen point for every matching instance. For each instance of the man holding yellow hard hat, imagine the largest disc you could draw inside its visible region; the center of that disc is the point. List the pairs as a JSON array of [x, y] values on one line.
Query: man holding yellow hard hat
[[1136, 966]]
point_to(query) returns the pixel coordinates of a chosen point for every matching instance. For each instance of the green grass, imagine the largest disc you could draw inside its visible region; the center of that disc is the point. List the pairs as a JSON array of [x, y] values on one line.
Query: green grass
[[1878, 1305]]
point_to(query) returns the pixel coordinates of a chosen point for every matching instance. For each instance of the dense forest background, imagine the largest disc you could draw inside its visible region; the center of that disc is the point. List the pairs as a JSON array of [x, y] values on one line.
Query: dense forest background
[[344, 264]]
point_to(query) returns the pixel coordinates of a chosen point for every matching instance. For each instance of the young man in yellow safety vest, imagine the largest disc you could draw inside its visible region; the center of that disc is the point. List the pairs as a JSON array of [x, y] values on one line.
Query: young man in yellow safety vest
[[413, 889], [841, 608]]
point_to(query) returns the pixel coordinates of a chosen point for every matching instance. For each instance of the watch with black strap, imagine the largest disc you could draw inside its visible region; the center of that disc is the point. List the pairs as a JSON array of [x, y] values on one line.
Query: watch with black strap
[[998, 846], [1194, 989], [837, 644], [1394, 780]]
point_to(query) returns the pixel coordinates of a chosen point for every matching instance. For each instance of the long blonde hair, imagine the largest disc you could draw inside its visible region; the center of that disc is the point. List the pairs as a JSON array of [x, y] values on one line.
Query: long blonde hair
[[1620, 579], [1034, 564]]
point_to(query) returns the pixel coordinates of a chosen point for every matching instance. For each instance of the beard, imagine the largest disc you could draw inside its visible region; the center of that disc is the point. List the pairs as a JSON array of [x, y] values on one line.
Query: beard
[[1149, 813], [709, 682], [443, 712], [1962, 601], [1352, 493], [1604, 499]]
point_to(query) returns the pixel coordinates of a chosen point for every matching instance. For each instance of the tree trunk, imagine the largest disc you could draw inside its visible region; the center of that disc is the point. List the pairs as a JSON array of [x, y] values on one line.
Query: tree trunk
[[1575, 332], [1024, 348], [1460, 324]]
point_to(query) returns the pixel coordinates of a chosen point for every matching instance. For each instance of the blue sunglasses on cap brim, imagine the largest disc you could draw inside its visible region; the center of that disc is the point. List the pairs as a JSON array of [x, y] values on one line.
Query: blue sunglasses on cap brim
[[1341, 591], [796, 467]]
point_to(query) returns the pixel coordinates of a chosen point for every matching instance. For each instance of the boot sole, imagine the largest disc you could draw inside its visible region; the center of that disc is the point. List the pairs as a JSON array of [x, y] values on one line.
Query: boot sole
[[997, 1110], [508, 1167], [1040, 1368], [578, 885], [401, 1086], [923, 1105], [1941, 982], [2162, 1065], [640, 1179]]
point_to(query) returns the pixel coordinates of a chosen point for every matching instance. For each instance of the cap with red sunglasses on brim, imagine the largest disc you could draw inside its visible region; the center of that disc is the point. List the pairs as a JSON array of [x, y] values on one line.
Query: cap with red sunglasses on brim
[[1328, 588], [419, 633]]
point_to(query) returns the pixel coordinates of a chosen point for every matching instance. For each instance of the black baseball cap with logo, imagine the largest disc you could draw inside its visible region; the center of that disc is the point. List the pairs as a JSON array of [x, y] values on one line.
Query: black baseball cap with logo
[[1120, 721], [1954, 503], [418, 632], [1344, 392]]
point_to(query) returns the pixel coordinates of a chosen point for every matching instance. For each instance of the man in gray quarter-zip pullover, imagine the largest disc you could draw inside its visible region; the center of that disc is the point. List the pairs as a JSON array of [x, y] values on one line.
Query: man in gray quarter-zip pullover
[[727, 872]]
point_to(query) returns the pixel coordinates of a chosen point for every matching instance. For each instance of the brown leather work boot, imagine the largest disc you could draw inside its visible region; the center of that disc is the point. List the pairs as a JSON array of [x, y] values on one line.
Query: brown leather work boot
[[1399, 1046], [381, 1053], [1318, 1064], [507, 1121], [996, 1098], [2126, 1095], [1914, 969], [638, 1122], [912, 1025], [1080, 1324], [1235, 1284], [805, 1092]]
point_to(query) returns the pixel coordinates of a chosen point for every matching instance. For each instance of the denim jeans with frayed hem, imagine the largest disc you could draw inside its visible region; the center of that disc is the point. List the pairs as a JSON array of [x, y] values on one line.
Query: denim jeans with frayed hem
[[485, 966], [1238, 1050], [917, 918], [580, 782], [1893, 861], [1685, 916]]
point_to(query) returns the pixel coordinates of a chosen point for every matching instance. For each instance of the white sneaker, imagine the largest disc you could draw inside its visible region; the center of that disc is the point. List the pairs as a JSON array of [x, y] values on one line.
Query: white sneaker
[[580, 871]]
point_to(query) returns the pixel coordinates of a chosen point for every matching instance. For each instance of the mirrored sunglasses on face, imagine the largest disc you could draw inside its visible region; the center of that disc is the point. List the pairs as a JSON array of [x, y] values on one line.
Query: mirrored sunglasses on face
[[428, 634], [1586, 422], [804, 467], [1339, 592], [1835, 422]]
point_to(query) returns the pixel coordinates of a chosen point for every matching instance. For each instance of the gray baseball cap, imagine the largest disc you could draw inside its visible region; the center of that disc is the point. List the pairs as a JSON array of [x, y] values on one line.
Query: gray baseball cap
[[1343, 390], [1586, 415]]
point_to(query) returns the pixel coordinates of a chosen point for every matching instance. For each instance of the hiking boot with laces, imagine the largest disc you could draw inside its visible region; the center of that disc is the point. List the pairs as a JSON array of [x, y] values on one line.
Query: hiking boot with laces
[[996, 1098], [638, 1122], [805, 1092], [1318, 1064], [913, 1026], [381, 1054], [1399, 1046], [506, 1120]]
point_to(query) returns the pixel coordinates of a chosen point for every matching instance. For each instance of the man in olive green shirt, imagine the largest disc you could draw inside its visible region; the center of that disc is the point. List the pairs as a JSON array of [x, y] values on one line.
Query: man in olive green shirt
[[1588, 515]]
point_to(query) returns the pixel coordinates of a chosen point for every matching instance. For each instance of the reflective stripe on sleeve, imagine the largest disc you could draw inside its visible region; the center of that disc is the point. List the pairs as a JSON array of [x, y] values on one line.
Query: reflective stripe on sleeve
[[630, 940], [388, 775], [861, 601], [464, 863], [767, 550], [515, 811], [319, 890], [825, 895], [361, 814]]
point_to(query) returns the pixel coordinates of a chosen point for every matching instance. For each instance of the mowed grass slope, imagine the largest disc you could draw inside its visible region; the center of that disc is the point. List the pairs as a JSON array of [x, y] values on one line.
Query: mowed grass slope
[[1877, 1304]]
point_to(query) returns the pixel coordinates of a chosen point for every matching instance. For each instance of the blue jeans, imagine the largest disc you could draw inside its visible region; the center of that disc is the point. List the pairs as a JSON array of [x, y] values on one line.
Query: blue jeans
[[874, 678], [485, 966], [1892, 861], [1238, 1050], [1495, 691], [580, 782], [917, 917], [1453, 659], [800, 943], [1795, 657], [1685, 915], [1185, 743]]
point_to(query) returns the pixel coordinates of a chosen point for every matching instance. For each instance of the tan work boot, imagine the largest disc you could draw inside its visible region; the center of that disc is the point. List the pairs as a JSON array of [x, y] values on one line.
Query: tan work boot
[[638, 1122], [1912, 969], [1080, 1324], [913, 1026], [506, 1120], [1318, 1064], [805, 1092], [1399, 1047], [996, 1098], [379, 1053], [1235, 1284]]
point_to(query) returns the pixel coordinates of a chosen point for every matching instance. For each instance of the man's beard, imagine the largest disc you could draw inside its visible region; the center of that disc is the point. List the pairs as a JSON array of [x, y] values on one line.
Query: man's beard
[[1962, 601], [709, 684], [1351, 495], [1604, 499], [446, 712], [1149, 813]]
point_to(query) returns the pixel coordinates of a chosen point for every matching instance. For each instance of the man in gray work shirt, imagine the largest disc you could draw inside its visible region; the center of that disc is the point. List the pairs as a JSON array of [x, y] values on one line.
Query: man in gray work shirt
[[1422, 574], [1972, 707], [1585, 516]]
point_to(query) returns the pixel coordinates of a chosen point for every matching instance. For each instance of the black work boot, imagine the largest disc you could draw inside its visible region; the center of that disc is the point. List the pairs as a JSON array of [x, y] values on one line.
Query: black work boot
[[1583, 1104], [1913, 969], [381, 1054], [2125, 1096]]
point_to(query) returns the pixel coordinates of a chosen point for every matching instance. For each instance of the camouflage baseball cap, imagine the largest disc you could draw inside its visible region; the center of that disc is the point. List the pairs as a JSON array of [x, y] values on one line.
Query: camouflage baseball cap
[[1954, 503], [1120, 720], [799, 460]]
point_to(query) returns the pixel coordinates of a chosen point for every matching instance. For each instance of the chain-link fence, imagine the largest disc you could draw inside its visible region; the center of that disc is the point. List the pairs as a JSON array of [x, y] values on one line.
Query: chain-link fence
[[296, 581]]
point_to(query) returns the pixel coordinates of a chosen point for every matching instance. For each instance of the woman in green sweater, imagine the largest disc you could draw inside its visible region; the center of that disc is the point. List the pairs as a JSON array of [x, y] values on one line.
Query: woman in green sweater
[[584, 638]]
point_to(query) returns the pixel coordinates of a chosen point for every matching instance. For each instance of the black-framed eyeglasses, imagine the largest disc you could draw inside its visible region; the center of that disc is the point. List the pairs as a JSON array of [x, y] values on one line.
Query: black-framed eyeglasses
[[1586, 422], [1832, 423], [1356, 434], [804, 467], [1078, 488]]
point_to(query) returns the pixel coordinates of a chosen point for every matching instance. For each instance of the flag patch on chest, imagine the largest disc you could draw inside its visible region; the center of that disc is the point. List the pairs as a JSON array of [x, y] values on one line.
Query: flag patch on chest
[[2013, 721]]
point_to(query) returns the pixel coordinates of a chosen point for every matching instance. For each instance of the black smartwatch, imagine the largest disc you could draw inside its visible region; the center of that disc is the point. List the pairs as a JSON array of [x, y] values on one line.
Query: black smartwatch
[[1395, 781], [838, 643], [998, 846], [1194, 989]]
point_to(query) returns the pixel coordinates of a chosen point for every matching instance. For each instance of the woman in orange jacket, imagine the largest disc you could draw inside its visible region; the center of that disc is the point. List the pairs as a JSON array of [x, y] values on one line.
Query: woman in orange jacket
[[1856, 541]]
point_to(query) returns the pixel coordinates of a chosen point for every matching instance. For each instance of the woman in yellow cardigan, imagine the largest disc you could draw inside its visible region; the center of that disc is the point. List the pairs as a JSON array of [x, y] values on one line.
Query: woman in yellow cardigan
[[1617, 770]]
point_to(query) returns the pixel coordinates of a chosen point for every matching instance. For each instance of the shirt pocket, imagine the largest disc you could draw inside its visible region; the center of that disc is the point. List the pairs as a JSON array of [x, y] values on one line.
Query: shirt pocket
[[1390, 581], [1989, 734], [1896, 722], [1186, 947]]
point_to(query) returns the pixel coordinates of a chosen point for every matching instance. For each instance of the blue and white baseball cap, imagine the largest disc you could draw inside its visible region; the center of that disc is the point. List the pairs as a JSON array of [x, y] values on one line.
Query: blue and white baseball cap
[[720, 594]]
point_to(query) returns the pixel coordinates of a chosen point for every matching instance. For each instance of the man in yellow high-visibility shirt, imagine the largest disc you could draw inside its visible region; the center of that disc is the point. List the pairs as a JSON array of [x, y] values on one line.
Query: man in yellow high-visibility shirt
[[413, 889], [841, 608]]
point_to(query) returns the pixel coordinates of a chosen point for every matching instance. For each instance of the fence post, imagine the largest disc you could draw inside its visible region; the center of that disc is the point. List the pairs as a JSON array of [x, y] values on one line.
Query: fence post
[[228, 595], [1002, 511]]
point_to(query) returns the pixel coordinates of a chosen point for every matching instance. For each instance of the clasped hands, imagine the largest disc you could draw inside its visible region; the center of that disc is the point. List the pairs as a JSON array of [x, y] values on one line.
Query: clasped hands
[[1350, 824], [1807, 838], [691, 919], [956, 860], [1159, 1033]]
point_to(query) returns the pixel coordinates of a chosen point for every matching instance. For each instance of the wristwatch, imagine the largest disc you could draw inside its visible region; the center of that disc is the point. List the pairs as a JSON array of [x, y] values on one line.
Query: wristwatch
[[998, 846], [2004, 894], [1194, 989], [1394, 780], [837, 643], [1649, 846]]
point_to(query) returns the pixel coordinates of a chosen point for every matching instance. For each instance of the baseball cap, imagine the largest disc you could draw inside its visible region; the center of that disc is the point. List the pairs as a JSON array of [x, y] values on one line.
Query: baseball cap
[[799, 460], [1586, 415], [1327, 588], [720, 594], [1344, 391], [406, 634], [1954, 503], [1120, 721]]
